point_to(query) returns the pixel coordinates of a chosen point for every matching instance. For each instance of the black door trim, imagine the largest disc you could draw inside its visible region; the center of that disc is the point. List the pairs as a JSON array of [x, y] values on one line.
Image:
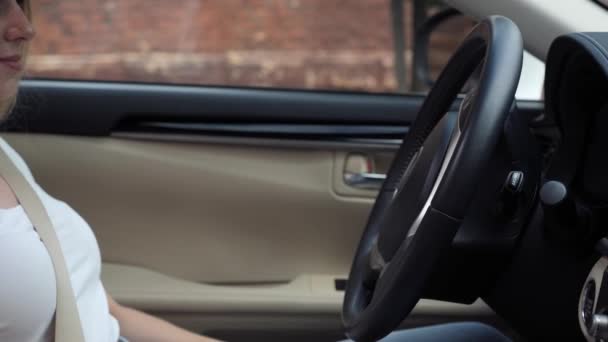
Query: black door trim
[[98, 108]]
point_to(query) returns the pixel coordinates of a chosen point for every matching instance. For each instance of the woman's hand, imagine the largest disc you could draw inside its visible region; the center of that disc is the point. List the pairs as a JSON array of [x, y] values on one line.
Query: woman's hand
[[138, 326]]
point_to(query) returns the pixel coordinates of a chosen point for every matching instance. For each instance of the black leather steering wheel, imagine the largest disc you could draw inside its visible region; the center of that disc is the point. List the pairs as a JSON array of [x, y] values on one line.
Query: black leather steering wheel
[[432, 180]]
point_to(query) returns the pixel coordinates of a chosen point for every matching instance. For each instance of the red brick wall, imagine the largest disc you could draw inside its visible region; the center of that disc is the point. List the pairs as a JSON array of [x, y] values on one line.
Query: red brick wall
[[319, 44]]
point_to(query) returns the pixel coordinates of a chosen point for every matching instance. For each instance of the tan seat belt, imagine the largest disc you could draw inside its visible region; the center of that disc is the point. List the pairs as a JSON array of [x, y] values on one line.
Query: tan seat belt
[[68, 327]]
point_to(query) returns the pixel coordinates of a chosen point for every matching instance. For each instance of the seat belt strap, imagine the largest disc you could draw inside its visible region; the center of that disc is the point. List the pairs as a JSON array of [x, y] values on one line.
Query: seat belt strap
[[68, 327]]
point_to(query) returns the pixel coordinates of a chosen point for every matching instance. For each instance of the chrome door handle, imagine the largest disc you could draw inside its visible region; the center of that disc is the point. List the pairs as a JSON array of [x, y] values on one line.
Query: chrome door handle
[[364, 180]]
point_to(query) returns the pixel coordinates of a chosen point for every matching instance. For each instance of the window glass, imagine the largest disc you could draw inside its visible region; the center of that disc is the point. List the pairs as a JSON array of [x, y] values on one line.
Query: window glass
[[303, 44], [532, 79]]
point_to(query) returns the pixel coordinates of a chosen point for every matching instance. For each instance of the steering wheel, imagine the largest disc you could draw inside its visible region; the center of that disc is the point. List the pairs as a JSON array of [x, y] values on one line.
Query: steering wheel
[[432, 180]]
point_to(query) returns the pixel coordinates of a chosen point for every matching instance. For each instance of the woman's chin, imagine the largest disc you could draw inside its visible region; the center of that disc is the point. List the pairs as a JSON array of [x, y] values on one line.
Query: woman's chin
[[8, 93], [8, 87]]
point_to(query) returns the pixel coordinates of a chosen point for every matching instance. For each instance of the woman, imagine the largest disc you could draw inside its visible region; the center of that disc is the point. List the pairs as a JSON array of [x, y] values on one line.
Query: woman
[[27, 301], [28, 294]]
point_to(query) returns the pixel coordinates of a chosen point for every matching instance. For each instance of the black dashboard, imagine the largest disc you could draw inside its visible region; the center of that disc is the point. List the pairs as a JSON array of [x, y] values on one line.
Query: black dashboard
[[555, 285]]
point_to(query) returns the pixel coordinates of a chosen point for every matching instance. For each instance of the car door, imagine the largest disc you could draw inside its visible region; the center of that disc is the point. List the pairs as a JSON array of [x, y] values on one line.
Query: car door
[[226, 155]]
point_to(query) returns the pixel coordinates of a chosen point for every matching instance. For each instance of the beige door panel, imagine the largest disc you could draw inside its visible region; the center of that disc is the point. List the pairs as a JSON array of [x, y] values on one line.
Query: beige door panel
[[206, 213], [289, 306], [150, 290]]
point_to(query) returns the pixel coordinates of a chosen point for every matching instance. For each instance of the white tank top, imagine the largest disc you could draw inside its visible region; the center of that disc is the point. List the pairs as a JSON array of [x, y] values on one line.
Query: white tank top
[[27, 280]]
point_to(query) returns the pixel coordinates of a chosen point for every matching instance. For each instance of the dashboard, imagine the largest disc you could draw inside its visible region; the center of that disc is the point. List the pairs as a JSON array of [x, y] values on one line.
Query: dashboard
[[555, 283], [574, 194]]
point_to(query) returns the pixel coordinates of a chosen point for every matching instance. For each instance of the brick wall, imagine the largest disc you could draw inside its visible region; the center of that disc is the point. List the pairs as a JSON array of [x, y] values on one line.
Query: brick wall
[[318, 44]]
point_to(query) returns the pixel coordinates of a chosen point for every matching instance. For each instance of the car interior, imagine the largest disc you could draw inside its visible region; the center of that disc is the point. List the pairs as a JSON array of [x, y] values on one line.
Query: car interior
[[267, 214]]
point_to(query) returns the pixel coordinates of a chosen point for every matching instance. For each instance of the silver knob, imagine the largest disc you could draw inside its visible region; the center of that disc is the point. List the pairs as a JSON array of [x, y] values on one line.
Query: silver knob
[[599, 327]]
